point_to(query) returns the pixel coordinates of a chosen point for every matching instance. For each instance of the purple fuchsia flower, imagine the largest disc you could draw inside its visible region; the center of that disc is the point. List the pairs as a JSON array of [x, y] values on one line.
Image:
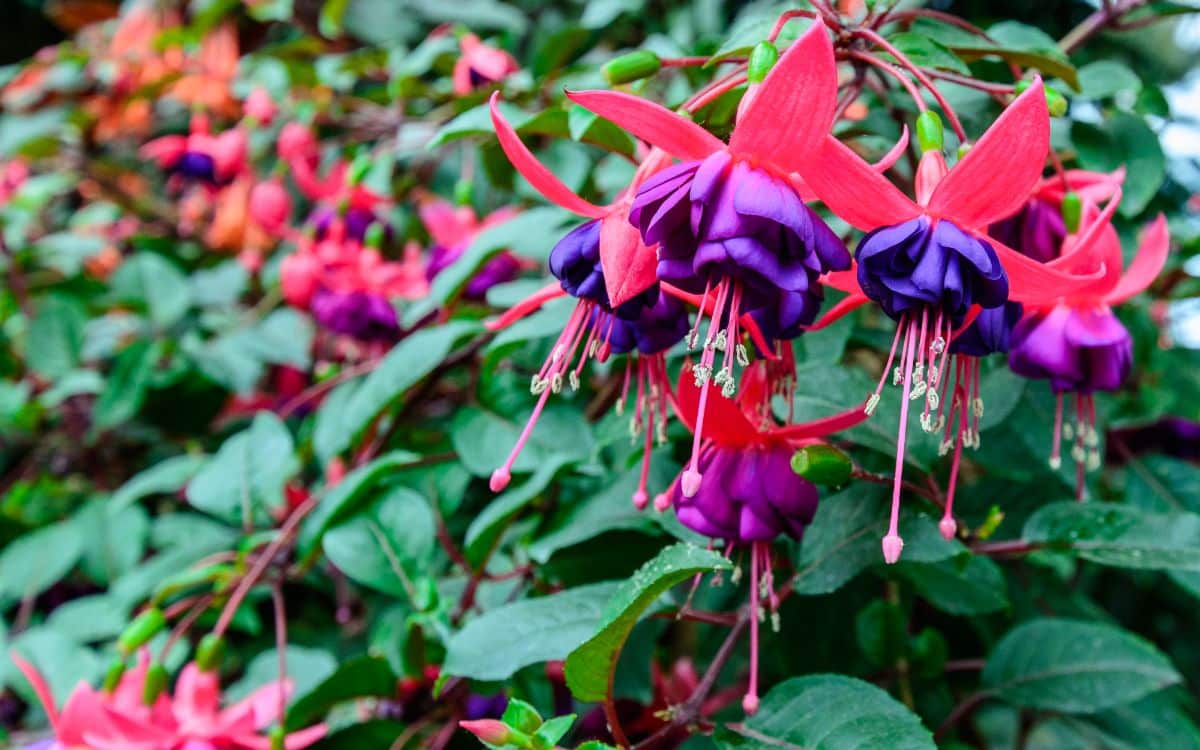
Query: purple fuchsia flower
[[750, 495], [453, 229], [364, 315], [929, 264], [1038, 229], [199, 155], [730, 220]]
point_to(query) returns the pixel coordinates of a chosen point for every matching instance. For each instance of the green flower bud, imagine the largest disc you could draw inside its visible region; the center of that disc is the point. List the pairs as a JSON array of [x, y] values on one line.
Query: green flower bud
[[114, 673], [931, 136], [156, 683], [375, 235], [358, 169], [963, 148], [210, 652], [762, 58], [1055, 102], [822, 464], [278, 735], [462, 192], [632, 66], [144, 627], [1072, 211]]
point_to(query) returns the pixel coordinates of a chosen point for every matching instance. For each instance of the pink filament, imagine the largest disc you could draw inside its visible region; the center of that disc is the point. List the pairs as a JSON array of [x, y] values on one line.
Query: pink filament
[[892, 543]]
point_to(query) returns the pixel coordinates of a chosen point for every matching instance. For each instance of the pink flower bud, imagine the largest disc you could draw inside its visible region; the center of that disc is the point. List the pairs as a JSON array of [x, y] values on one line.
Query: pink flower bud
[[491, 731], [271, 206], [298, 277], [296, 142], [229, 153], [260, 106]]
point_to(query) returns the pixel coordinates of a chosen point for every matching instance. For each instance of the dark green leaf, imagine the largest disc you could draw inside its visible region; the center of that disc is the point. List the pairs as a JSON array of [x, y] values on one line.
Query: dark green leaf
[[1124, 140], [1119, 535], [360, 677], [963, 585], [125, 390], [386, 546]]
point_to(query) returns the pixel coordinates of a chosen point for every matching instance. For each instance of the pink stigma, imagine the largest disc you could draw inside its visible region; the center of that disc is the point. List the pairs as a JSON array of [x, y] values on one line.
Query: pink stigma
[[640, 499], [750, 704], [661, 502], [690, 482], [500, 479], [892, 546], [948, 527]]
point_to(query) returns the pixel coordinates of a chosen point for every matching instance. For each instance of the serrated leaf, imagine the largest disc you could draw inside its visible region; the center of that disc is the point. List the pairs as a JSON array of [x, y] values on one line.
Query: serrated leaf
[[1074, 667], [828, 712], [496, 644], [589, 668], [1122, 536]]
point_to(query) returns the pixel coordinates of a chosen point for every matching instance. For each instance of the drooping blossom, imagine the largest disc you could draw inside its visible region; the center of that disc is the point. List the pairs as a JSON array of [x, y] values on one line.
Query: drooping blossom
[[260, 106], [621, 307], [200, 156], [730, 220], [480, 65], [930, 265], [453, 229], [1038, 228], [1078, 344], [750, 496]]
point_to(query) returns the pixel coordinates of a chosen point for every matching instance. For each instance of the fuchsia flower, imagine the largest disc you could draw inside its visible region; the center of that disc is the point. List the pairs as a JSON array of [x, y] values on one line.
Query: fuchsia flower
[[621, 310], [199, 155], [190, 720], [453, 229], [12, 176], [480, 65], [260, 106], [1038, 228], [730, 220], [751, 495], [931, 266]]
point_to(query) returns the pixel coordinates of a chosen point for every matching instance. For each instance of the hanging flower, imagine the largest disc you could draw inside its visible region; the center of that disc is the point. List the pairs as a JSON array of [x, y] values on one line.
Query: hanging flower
[[1038, 229], [480, 65], [199, 155]]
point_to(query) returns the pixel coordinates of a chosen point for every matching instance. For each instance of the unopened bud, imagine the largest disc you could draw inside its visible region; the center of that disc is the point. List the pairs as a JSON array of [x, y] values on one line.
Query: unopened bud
[[1072, 211], [1056, 103], [632, 66], [822, 464], [762, 58], [144, 627], [358, 169], [114, 673], [931, 135], [375, 235], [155, 684], [278, 737], [495, 732], [522, 717], [210, 652], [462, 192], [270, 205]]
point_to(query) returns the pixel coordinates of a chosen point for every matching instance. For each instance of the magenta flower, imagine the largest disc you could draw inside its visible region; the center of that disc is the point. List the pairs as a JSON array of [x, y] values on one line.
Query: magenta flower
[[200, 156]]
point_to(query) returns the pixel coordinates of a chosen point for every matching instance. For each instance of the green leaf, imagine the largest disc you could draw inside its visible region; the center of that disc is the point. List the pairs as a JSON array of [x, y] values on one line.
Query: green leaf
[[1162, 483], [1074, 667], [307, 668], [1106, 78], [358, 677], [55, 335], [329, 438], [66, 251], [88, 619], [116, 539], [488, 523], [590, 667], [483, 440], [1124, 140], [1123, 536], [927, 52], [344, 498], [36, 561], [386, 546], [501, 641], [962, 585], [164, 477], [153, 282], [403, 367], [880, 631], [828, 712], [844, 539], [752, 26], [125, 389], [245, 480]]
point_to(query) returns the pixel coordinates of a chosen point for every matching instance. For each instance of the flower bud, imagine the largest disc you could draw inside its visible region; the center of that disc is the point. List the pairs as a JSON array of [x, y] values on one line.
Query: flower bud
[[144, 627], [113, 675], [494, 732], [762, 58], [156, 683], [1056, 103], [210, 652], [278, 737], [358, 169], [462, 192], [259, 106], [632, 66], [822, 464], [296, 142], [375, 235], [931, 136], [270, 205], [1072, 211]]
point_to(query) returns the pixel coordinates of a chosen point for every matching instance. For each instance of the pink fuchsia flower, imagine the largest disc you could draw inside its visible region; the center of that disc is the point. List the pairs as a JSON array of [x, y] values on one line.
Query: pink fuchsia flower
[[199, 155], [604, 264], [931, 266], [271, 206], [480, 65], [12, 176], [1077, 343], [194, 720], [1038, 228], [750, 496], [453, 229], [730, 220], [260, 107]]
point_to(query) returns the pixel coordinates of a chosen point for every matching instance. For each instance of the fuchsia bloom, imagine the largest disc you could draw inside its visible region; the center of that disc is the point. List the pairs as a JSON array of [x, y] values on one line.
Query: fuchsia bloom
[[191, 720], [12, 176], [621, 310], [480, 65], [453, 229], [932, 268], [750, 495], [730, 220], [1038, 229], [201, 156], [260, 106]]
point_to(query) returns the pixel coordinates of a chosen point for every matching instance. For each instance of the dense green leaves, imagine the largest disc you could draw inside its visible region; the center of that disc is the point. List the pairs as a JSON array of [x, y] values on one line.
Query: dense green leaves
[[1120, 535], [244, 482], [829, 712], [1076, 667], [387, 545]]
